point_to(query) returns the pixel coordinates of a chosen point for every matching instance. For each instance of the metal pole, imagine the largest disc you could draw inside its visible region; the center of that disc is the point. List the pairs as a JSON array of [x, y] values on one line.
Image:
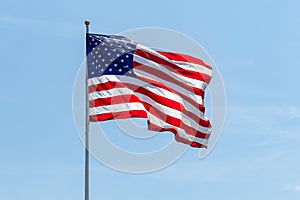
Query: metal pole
[[86, 195]]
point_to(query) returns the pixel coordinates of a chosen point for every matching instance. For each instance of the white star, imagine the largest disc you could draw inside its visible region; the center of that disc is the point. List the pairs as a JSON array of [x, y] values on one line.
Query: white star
[[105, 49], [122, 60], [92, 72], [110, 69], [108, 54], [120, 70], [103, 60], [114, 49], [106, 65], [127, 56], [115, 64]]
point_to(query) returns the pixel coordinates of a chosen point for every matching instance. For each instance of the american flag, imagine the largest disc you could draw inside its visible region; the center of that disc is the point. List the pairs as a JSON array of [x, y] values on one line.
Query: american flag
[[127, 79]]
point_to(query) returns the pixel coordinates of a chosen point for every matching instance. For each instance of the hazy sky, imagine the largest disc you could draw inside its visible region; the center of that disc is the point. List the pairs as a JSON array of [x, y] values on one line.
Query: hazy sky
[[255, 45]]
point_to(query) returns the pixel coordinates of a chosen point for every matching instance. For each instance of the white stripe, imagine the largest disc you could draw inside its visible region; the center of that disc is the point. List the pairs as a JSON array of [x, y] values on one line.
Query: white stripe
[[103, 79], [194, 67], [185, 80], [125, 79], [109, 93], [116, 108]]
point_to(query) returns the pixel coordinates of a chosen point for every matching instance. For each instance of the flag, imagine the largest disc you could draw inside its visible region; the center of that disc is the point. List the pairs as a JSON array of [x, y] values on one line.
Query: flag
[[127, 79]]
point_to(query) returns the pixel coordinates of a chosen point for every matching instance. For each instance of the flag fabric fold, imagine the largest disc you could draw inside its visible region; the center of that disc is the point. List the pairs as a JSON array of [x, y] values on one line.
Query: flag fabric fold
[[129, 80]]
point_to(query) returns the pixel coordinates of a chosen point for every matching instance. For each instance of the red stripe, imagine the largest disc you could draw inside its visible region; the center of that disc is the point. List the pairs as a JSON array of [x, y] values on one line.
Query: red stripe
[[105, 86], [114, 100], [169, 65], [184, 58], [119, 115]]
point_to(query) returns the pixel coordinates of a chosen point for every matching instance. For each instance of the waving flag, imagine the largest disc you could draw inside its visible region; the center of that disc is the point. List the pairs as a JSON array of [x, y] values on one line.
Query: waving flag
[[127, 79]]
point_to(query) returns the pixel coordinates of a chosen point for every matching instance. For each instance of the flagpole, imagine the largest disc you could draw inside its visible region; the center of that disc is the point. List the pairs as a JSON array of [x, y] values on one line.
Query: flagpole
[[86, 175]]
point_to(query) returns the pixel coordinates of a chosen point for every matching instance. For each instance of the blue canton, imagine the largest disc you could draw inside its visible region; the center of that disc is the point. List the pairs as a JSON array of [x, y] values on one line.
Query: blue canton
[[109, 55]]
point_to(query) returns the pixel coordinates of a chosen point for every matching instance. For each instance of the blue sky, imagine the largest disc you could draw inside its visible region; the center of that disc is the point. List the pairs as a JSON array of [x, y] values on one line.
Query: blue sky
[[255, 45]]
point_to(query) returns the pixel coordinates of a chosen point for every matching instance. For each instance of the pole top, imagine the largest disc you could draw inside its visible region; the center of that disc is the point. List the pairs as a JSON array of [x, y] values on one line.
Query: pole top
[[87, 22]]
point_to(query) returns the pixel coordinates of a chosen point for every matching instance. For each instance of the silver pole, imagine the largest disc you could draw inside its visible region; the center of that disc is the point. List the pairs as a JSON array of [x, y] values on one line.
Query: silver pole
[[86, 195]]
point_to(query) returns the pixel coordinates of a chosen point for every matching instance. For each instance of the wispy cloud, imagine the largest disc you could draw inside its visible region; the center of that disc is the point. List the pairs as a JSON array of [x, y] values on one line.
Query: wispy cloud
[[272, 120], [234, 170], [262, 144], [294, 112], [295, 188]]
